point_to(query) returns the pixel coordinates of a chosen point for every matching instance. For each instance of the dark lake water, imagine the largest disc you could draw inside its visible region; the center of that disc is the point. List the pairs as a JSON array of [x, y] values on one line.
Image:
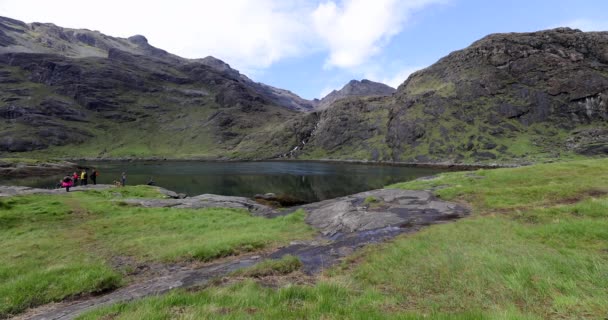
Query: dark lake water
[[308, 181]]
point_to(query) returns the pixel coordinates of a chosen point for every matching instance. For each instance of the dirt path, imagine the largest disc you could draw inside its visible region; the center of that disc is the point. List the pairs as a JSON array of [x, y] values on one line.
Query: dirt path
[[346, 224]]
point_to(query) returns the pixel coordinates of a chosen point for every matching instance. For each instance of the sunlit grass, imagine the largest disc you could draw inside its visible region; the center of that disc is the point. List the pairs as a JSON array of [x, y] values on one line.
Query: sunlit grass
[[535, 247], [53, 247]]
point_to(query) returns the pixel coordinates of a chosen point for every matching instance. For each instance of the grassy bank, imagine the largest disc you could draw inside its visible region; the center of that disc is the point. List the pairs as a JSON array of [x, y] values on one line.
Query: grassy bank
[[53, 247], [536, 247]]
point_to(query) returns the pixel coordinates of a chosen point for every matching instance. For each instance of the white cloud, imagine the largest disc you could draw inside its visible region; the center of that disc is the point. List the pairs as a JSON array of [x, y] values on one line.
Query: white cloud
[[586, 24], [356, 30], [250, 35], [246, 33]]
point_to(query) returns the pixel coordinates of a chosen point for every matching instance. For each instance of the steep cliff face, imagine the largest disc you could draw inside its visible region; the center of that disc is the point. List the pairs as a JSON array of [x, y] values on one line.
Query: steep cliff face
[[507, 96]]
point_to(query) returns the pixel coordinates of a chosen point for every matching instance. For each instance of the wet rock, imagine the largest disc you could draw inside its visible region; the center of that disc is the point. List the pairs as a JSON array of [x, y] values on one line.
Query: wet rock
[[171, 194], [274, 200], [266, 196]]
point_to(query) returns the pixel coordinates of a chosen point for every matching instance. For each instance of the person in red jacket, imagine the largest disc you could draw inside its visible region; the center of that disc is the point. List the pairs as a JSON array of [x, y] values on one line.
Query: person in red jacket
[[67, 183], [75, 179]]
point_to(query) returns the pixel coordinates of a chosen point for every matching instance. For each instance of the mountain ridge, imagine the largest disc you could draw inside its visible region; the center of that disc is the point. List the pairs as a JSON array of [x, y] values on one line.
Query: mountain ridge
[[516, 97]]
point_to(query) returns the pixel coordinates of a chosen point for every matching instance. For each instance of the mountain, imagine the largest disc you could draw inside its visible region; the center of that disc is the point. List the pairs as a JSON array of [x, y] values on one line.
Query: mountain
[[84, 93], [507, 98], [356, 88], [514, 97]]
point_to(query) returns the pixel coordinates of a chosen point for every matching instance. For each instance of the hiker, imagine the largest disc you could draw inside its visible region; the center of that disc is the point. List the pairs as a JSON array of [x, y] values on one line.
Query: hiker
[[123, 179], [75, 179], [67, 182], [94, 175], [84, 179]]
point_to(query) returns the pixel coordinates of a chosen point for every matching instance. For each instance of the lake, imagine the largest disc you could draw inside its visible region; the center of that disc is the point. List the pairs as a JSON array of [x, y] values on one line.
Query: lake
[[307, 181]]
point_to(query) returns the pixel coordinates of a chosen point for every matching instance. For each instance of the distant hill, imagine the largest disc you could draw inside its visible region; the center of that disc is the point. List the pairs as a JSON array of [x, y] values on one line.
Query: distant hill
[[356, 88]]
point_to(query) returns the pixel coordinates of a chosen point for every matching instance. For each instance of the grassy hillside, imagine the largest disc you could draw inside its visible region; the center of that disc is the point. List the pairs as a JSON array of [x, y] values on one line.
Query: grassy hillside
[[507, 98], [534, 248], [56, 247], [94, 107]]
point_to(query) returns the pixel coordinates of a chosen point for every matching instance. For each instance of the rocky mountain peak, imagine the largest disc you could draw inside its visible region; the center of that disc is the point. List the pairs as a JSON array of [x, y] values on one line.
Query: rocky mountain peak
[[356, 88], [138, 39], [216, 64]]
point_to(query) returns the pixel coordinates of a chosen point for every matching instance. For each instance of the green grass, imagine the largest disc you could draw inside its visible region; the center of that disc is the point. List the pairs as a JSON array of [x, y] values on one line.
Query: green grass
[[285, 265], [535, 247], [53, 247], [370, 200]]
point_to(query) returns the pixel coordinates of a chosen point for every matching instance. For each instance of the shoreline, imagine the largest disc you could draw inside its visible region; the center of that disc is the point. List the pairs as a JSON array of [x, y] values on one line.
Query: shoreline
[[437, 165], [44, 168]]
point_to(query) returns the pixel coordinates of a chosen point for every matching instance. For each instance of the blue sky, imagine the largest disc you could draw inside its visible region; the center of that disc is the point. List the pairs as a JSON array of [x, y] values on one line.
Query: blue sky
[[433, 32], [311, 47]]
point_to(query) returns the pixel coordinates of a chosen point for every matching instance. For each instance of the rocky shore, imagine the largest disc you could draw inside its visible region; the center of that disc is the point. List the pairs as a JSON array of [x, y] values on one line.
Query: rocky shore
[[10, 168], [437, 164]]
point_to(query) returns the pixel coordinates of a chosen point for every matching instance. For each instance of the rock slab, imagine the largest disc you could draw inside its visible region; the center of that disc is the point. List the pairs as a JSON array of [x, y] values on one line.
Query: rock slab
[[379, 209]]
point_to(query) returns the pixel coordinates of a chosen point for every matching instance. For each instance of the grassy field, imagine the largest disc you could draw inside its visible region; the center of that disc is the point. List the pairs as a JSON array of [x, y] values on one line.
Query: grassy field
[[53, 247], [535, 247]]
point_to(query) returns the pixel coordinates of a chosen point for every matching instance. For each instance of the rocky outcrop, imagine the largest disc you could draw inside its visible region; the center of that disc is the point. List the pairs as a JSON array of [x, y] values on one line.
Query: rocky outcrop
[[377, 209], [355, 88], [206, 201], [281, 97], [589, 142]]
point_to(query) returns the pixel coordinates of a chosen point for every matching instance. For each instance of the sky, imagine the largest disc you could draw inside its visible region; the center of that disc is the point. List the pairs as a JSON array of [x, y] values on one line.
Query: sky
[[312, 47]]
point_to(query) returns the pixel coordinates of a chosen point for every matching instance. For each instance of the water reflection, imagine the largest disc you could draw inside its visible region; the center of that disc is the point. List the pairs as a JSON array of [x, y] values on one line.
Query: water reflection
[[308, 181]]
